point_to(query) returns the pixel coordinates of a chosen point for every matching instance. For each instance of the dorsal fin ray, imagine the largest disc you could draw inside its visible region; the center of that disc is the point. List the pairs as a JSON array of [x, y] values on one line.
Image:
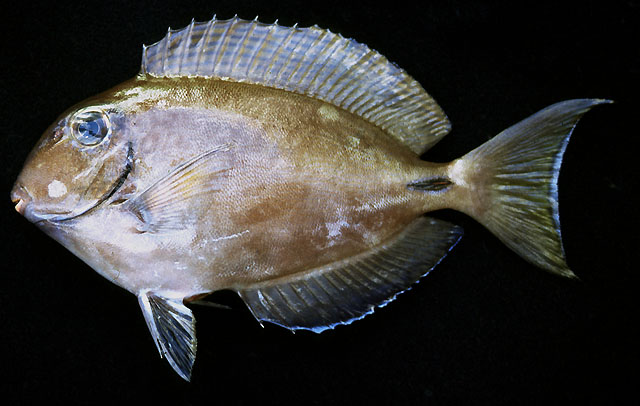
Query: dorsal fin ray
[[310, 61]]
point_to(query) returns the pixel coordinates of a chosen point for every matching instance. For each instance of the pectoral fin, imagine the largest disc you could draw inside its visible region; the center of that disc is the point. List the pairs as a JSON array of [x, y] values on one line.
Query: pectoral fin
[[173, 329], [166, 205]]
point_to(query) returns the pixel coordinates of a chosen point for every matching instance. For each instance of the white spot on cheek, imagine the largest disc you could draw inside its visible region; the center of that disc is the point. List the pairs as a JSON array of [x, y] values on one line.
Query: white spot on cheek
[[57, 189]]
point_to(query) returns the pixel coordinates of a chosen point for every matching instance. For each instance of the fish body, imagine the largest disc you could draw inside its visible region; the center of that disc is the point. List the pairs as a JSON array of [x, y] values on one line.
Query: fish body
[[290, 173], [281, 163]]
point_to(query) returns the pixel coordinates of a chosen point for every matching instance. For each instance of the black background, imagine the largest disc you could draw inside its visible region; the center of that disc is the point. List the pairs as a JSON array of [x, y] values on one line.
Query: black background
[[484, 328]]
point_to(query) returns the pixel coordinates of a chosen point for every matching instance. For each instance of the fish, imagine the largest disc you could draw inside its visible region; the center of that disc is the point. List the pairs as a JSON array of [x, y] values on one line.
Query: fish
[[284, 164]]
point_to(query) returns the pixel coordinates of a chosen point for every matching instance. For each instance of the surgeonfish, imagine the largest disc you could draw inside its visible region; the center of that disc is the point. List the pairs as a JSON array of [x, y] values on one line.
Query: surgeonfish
[[282, 164]]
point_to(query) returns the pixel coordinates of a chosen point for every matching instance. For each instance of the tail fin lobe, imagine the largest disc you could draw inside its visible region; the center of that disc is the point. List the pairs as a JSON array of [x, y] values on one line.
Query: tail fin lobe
[[511, 182]]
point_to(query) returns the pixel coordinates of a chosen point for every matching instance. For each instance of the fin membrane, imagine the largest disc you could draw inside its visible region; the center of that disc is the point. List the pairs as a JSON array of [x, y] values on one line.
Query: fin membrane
[[173, 329], [348, 290], [165, 204], [517, 174], [309, 61]]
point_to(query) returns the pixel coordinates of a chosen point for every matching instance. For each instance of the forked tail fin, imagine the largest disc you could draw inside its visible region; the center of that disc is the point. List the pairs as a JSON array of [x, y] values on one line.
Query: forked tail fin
[[509, 184]]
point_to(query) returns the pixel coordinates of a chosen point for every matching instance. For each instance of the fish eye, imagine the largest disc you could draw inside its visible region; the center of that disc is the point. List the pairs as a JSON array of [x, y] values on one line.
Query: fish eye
[[90, 126]]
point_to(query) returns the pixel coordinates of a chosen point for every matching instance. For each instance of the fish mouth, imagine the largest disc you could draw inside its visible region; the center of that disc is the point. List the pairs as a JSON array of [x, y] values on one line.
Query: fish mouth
[[22, 199]]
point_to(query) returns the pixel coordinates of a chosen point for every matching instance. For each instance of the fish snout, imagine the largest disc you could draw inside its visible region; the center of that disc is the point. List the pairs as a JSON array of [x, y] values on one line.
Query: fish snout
[[21, 197]]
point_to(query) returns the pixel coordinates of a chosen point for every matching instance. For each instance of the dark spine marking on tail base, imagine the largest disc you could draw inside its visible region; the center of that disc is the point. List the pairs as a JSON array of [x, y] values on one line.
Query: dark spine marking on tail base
[[431, 184]]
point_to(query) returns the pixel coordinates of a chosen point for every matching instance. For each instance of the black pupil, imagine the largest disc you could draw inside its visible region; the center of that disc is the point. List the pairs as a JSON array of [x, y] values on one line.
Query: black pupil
[[89, 129]]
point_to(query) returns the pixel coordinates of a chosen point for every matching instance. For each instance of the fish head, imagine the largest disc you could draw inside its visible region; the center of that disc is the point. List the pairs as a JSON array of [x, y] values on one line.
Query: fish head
[[78, 164]]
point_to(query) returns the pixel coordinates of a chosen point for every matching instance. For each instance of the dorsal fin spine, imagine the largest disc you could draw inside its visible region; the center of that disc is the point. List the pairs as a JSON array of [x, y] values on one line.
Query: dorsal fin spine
[[186, 42], [167, 38], [304, 47], [337, 65], [304, 65], [204, 41], [360, 102], [286, 64], [358, 90], [271, 52], [220, 48], [255, 59], [233, 58], [272, 58], [275, 57], [375, 109], [339, 84], [315, 82], [252, 52], [364, 62], [316, 45], [269, 37], [144, 59]]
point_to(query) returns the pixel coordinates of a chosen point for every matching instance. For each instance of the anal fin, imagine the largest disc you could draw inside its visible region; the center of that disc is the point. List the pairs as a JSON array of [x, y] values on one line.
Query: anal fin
[[348, 290], [173, 329]]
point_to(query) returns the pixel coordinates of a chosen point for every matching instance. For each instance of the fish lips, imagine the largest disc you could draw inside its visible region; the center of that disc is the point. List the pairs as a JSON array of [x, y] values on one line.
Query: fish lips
[[25, 206]]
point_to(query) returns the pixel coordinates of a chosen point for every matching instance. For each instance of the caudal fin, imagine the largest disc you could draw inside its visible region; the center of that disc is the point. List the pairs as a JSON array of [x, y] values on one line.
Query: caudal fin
[[511, 183]]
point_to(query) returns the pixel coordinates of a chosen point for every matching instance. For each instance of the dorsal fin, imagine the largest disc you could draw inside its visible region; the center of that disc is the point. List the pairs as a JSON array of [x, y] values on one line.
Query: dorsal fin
[[310, 61]]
